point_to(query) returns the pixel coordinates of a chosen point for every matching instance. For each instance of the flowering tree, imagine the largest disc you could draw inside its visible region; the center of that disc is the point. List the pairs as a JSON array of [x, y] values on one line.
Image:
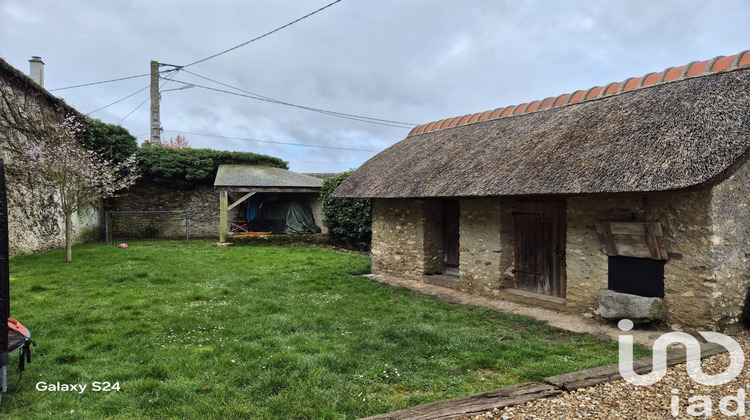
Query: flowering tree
[[178, 142], [78, 176]]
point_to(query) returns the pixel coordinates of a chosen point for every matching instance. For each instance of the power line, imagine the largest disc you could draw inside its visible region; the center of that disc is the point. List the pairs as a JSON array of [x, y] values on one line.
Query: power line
[[166, 80], [262, 36], [119, 100], [252, 95], [134, 109], [99, 83], [273, 142], [203, 59]]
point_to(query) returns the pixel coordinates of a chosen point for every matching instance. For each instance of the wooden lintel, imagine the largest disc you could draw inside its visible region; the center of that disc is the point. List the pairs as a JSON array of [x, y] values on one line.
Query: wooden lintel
[[244, 197]]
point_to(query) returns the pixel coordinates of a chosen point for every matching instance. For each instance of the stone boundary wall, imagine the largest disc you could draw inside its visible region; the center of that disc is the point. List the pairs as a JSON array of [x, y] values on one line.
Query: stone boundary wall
[[202, 203]]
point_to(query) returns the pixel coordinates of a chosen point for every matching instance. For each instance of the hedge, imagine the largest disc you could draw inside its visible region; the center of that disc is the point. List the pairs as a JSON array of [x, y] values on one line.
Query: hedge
[[189, 168], [349, 220]]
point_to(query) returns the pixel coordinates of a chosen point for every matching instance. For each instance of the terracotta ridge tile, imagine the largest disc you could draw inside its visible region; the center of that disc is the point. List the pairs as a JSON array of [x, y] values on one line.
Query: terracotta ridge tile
[[508, 110], [474, 117], [496, 113], [464, 120], [521, 109], [547, 103], [722, 63], [745, 60], [485, 115], [671, 74], [534, 106], [453, 122], [561, 100], [711, 64]]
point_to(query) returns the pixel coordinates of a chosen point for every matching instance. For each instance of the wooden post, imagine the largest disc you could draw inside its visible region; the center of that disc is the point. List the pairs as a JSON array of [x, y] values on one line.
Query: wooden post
[[223, 205]]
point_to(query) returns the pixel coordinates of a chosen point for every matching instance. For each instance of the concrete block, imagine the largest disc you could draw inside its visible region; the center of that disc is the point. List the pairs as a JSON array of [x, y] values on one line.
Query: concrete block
[[639, 309]]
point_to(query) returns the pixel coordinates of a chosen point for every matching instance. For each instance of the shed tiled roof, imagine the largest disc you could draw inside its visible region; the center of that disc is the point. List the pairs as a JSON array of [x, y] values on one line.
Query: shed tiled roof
[[263, 176], [693, 69]]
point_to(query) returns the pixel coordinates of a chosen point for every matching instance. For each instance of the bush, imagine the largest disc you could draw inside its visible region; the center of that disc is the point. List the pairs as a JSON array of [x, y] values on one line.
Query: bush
[[349, 220], [189, 168]]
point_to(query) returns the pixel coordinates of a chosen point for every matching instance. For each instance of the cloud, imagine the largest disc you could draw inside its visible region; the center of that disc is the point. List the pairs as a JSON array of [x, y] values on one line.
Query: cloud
[[414, 61]]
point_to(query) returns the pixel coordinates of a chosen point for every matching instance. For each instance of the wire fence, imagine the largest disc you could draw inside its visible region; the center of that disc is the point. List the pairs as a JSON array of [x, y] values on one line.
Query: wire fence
[[129, 225]]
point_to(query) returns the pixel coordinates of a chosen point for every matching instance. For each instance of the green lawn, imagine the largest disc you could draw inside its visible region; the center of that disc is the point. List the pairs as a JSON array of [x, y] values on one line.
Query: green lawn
[[200, 332]]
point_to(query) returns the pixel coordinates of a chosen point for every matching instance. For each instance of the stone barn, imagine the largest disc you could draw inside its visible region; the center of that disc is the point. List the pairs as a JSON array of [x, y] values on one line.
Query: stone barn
[[637, 193]]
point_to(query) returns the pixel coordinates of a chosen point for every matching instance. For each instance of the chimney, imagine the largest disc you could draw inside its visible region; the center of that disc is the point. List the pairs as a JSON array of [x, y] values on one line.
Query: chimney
[[37, 70]]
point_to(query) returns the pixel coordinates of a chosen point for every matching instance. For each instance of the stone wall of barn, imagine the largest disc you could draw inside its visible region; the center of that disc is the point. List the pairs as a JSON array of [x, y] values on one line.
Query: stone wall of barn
[[398, 238], [25, 113], [485, 238], [689, 281], [730, 203], [699, 293]]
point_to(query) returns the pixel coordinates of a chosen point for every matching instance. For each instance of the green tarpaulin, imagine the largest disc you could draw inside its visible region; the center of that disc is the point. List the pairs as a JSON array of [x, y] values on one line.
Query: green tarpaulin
[[299, 220]]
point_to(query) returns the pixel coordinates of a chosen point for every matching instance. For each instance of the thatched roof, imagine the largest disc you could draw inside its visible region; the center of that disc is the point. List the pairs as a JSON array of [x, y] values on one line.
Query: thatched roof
[[255, 176], [680, 132]]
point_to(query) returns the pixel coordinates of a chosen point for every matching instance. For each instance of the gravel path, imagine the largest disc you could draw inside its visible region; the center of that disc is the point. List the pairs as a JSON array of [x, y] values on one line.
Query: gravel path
[[675, 396]]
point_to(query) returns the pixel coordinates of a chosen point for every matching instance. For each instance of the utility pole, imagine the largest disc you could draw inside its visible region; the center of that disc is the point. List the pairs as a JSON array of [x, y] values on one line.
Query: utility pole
[[155, 119]]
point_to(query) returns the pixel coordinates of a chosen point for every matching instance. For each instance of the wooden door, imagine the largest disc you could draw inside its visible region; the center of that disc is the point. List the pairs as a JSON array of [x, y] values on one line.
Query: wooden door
[[451, 214], [539, 228]]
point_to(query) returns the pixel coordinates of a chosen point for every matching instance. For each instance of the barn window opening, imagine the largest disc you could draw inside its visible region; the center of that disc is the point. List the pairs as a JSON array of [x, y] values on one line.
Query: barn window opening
[[636, 276], [637, 253]]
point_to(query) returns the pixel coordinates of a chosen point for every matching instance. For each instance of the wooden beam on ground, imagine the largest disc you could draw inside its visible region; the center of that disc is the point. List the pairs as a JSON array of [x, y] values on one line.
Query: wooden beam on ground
[[462, 407]]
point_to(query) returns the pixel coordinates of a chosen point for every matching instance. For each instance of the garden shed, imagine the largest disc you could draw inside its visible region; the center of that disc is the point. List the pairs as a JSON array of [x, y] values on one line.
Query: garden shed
[[636, 191], [264, 199]]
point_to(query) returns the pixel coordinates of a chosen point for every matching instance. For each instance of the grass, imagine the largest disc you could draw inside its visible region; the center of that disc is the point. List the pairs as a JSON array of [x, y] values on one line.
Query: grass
[[199, 332]]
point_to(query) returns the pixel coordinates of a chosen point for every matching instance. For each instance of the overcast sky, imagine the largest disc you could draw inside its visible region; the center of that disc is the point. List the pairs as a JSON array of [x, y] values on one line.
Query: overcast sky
[[411, 61]]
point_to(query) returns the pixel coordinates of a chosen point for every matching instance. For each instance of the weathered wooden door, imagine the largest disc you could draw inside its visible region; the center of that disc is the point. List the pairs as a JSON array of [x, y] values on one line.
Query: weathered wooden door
[[539, 228], [451, 214]]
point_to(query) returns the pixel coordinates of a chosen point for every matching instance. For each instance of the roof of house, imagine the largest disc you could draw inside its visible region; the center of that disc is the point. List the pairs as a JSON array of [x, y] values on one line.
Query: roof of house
[[263, 177], [12, 75], [684, 127]]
